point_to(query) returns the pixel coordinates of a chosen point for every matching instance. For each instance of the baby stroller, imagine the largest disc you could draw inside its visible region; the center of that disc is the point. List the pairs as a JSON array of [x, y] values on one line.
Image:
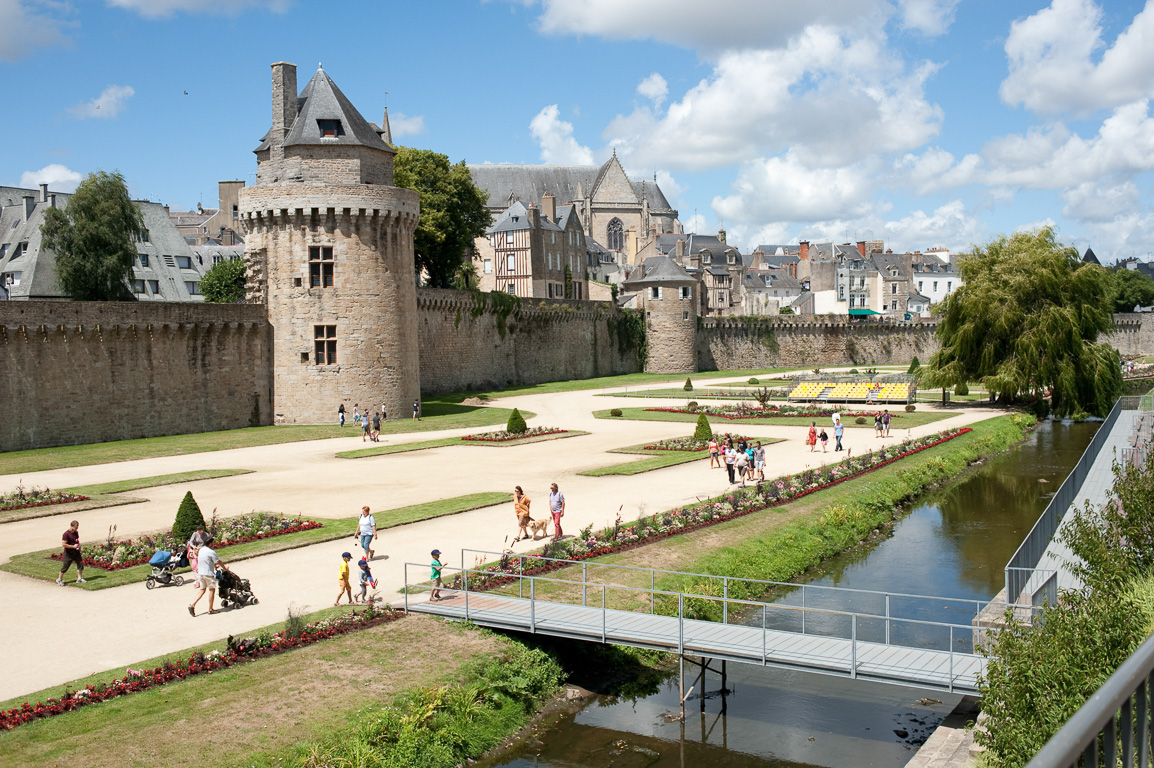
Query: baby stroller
[[233, 589], [164, 565]]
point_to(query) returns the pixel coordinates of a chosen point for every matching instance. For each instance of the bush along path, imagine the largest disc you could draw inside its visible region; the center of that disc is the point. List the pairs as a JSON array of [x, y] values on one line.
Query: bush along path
[[719, 509], [239, 651]]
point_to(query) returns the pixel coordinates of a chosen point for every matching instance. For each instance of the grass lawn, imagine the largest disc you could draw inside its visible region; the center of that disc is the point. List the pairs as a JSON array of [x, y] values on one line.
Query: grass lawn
[[654, 460], [436, 414], [383, 450], [251, 712], [696, 394], [39, 565], [902, 419]]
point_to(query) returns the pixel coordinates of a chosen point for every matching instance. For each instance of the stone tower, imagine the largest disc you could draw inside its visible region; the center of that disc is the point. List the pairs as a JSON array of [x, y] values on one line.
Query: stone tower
[[329, 242], [668, 297]]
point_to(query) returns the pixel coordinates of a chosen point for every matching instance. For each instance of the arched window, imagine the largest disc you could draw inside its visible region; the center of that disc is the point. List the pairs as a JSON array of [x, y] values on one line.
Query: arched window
[[615, 235]]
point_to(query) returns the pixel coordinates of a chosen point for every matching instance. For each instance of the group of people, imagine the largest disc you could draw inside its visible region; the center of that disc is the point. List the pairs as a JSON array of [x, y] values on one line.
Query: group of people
[[346, 588], [526, 523], [371, 425], [882, 423], [816, 435], [743, 461]]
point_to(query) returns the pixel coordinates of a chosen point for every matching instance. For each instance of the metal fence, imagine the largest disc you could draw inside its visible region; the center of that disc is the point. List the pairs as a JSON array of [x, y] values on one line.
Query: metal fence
[[1020, 571], [1113, 727]]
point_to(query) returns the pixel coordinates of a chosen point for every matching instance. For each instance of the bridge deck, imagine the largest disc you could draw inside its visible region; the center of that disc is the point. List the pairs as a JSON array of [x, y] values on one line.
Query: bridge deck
[[919, 668]]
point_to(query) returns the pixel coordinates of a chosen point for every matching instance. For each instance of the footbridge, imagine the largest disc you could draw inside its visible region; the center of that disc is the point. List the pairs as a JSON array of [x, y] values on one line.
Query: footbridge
[[911, 640]]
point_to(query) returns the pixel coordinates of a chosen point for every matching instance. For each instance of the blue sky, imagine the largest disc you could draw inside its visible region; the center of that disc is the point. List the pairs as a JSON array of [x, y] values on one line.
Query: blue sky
[[918, 122]]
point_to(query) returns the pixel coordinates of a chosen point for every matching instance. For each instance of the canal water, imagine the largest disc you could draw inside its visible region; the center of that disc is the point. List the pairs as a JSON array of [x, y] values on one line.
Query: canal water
[[953, 543]]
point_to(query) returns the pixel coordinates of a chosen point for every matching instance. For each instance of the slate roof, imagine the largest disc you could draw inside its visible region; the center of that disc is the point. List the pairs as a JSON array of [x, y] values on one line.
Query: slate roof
[[1090, 258], [659, 269], [515, 218], [323, 100], [506, 182], [915, 296]]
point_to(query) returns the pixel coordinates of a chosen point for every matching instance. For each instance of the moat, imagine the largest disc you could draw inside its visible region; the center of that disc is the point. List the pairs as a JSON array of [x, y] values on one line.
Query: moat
[[953, 543]]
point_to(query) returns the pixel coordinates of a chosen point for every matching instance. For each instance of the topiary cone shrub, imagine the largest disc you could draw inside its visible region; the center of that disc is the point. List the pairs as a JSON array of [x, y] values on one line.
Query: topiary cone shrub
[[911, 408], [961, 389], [914, 365], [188, 517], [703, 432], [615, 412], [860, 420], [688, 385], [516, 423]]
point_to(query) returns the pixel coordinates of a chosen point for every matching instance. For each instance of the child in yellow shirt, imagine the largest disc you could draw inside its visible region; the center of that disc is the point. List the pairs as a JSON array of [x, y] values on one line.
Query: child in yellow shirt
[[343, 579]]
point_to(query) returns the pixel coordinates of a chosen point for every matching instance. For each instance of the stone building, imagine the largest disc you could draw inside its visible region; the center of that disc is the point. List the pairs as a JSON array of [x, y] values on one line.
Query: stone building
[[668, 295], [329, 241], [213, 226], [535, 253]]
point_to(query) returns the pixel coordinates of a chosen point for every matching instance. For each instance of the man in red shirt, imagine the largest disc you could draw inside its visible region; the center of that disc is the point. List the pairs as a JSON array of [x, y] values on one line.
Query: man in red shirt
[[72, 553]]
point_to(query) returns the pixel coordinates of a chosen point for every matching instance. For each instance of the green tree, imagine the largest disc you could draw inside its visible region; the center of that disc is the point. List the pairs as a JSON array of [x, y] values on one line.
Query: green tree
[[703, 432], [915, 364], [188, 517], [94, 238], [516, 423], [453, 211], [1025, 322], [224, 282], [1130, 288]]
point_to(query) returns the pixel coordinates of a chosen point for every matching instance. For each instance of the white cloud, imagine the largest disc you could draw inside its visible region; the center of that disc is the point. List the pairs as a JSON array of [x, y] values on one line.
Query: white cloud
[[107, 105], [654, 88], [696, 224], [555, 137], [59, 178], [784, 189], [673, 191], [401, 124], [936, 169], [929, 17], [26, 25], [1052, 60], [948, 224], [1097, 202], [154, 9]]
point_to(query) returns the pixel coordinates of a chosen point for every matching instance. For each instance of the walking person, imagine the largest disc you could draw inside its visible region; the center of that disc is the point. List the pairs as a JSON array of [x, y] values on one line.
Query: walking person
[[824, 439], [72, 553], [556, 509], [886, 422], [366, 427], [877, 424], [376, 427], [198, 539], [521, 507], [341, 414], [207, 563], [367, 581], [741, 465], [759, 461], [730, 458], [435, 574], [367, 532], [416, 410], [811, 438], [837, 432], [714, 461], [356, 414], [343, 579]]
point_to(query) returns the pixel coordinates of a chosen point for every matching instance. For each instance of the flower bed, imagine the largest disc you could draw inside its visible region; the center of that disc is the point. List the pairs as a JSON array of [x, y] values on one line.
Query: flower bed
[[503, 436], [692, 444], [112, 556], [238, 652], [36, 497], [745, 411], [764, 495]]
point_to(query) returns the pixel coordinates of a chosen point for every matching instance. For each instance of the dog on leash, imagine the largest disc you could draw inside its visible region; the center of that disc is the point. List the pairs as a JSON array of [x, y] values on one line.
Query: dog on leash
[[538, 526]]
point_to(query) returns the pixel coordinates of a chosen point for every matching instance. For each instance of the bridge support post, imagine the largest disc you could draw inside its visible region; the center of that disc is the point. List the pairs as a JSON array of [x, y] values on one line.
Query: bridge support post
[[681, 686], [724, 686]]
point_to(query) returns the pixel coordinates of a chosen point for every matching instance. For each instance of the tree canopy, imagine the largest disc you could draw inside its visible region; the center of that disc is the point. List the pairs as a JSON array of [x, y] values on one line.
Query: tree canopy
[[453, 213], [1025, 322], [224, 282], [94, 239], [1130, 288]]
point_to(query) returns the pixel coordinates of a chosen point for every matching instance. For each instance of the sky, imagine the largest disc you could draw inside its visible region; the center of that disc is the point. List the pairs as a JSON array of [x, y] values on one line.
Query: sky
[[922, 123]]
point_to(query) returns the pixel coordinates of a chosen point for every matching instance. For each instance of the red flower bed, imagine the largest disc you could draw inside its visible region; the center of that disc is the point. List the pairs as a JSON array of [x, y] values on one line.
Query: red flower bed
[[770, 414], [57, 497], [197, 664], [505, 437]]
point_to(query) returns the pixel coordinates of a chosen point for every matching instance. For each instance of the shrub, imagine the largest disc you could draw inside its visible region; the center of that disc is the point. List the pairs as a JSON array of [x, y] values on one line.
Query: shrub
[[294, 622], [516, 423], [911, 408], [188, 517], [615, 413], [914, 365], [961, 389], [688, 385], [703, 431], [860, 420], [753, 381], [691, 405], [853, 371]]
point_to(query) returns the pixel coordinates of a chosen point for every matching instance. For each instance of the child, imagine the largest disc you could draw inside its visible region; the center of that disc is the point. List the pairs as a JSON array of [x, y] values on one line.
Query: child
[[824, 439], [367, 580], [343, 579], [436, 565]]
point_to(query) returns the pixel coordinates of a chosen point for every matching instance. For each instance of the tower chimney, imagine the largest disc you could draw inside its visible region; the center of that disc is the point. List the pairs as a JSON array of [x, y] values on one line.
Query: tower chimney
[[29, 206], [861, 248], [548, 207], [803, 251], [284, 100], [44, 193]]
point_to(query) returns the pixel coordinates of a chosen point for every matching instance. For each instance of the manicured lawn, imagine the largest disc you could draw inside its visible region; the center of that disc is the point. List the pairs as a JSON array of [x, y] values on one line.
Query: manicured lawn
[[244, 713], [39, 565], [383, 450], [654, 460], [436, 415], [902, 420]]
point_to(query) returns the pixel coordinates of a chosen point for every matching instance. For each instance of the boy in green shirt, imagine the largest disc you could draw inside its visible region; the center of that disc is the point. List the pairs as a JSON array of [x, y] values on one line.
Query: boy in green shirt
[[438, 585]]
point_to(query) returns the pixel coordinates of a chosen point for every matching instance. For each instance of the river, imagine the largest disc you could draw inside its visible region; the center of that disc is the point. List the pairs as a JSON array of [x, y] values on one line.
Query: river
[[953, 543]]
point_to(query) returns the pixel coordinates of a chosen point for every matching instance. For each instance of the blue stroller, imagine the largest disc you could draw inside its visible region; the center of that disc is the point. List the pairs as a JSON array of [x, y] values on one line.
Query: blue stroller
[[164, 565]]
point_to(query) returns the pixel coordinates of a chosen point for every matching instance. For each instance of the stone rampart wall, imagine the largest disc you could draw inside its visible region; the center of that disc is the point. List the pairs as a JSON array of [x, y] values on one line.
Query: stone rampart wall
[[85, 372], [543, 340]]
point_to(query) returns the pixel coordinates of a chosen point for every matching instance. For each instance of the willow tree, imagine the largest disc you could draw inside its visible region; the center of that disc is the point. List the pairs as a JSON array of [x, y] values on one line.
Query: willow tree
[[1025, 322], [94, 239]]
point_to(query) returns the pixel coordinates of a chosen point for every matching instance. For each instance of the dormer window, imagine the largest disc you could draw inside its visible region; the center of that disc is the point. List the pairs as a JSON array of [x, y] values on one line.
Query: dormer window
[[330, 129]]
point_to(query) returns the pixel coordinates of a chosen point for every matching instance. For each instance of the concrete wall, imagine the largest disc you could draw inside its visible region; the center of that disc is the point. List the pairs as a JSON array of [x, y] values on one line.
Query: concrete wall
[[85, 372], [544, 340]]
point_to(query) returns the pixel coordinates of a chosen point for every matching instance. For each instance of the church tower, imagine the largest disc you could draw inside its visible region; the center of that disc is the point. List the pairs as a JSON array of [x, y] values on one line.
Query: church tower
[[329, 242]]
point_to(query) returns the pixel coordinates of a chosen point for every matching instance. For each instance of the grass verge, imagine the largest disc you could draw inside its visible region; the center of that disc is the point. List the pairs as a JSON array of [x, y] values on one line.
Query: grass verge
[[655, 460], [384, 450], [436, 415], [39, 565], [905, 421]]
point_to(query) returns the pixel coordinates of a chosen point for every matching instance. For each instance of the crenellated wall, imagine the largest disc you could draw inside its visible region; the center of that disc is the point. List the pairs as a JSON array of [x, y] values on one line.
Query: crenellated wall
[[85, 372], [464, 345]]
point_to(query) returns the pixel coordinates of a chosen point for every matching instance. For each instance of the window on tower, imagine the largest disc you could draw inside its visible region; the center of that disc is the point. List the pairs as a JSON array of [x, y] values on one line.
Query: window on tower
[[330, 129], [320, 266], [325, 344]]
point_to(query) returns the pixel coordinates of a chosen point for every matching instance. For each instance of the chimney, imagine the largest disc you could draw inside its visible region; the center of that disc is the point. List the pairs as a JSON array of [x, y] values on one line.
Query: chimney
[[284, 100], [548, 207], [861, 248], [803, 252], [632, 235], [52, 200], [44, 193], [721, 235], [29, 206], [534, 216], [679, 252]]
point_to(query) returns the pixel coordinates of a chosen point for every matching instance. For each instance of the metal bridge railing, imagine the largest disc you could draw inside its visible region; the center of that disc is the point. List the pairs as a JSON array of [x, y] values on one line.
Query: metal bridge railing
[[1113, 727]]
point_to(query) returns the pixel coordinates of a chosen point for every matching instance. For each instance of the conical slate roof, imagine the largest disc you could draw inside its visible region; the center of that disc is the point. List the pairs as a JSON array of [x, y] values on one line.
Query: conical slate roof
[[322, 100], [1090, 258]]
